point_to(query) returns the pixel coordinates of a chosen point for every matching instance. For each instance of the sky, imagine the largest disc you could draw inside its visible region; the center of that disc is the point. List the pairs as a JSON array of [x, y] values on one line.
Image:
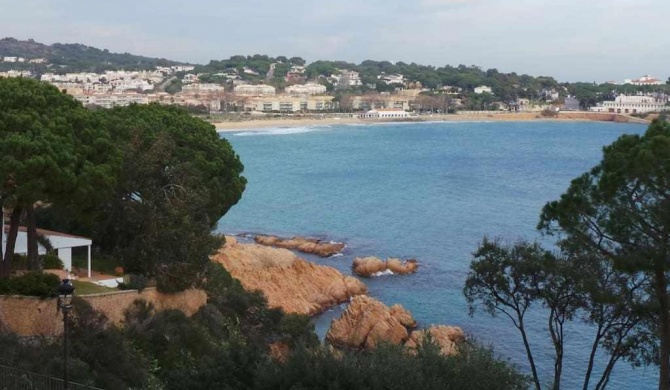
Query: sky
[[571, 40]]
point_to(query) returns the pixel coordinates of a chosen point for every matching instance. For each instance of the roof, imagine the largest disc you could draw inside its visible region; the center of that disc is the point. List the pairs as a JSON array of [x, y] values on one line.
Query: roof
[[45, 232]]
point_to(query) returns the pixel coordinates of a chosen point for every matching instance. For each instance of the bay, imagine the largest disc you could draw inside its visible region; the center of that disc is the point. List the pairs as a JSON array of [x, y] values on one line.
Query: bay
[[429, 191]]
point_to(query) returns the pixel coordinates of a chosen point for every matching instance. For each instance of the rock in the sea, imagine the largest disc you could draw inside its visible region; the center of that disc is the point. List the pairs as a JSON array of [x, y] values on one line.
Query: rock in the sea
[[288, 282], [366, 322], [400, 267], [403, 316], [371, 266], [302, 244], [446, 337]]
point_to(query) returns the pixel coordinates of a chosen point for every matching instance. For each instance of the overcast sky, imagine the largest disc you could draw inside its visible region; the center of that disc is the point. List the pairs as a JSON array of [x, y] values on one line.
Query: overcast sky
[[572, 40]]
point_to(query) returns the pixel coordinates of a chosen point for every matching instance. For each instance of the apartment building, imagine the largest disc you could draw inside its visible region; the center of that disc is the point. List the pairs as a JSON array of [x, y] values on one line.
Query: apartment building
[[255, 90], [306, 89], [284, 103]]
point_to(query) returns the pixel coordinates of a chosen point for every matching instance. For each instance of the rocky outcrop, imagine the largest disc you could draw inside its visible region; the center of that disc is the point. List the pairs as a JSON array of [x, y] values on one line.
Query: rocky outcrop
[[288, 282], [366, 322], [446, 337], [373, 266], [301, 244]]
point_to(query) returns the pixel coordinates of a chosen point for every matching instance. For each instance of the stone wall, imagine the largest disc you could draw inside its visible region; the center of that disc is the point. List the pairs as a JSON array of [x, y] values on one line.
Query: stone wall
[[31, 316]]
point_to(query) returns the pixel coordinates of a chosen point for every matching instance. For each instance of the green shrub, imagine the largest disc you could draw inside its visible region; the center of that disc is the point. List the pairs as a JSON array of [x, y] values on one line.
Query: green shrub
[[135, 282], [43, 285], [19, 262], [173, 278], [51, 261]]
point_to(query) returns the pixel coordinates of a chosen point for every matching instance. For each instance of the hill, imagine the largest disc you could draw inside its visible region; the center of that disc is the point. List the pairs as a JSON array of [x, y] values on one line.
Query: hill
[[74, 57]]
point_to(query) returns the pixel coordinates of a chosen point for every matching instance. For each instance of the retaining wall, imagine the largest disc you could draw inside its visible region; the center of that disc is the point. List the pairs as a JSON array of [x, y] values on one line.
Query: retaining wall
[[31, 316]]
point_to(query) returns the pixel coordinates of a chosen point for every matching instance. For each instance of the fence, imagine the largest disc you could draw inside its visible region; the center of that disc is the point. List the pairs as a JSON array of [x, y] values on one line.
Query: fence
[[15, 379]]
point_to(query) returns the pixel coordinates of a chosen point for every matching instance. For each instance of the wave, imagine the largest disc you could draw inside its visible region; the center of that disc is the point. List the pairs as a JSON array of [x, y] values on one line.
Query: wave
[[339, 254], [281, 131], [382, 273]]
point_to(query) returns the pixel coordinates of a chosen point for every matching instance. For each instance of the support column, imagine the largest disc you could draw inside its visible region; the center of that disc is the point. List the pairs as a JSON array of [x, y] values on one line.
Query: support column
[[89, 261]]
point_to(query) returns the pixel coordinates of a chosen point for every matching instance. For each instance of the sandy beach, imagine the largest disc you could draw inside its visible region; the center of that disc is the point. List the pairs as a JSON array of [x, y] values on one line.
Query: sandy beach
[[288, 122]]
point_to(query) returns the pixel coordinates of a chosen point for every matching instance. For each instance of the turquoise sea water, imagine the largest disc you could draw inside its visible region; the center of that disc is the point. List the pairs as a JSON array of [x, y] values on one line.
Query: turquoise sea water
[[429, 191]]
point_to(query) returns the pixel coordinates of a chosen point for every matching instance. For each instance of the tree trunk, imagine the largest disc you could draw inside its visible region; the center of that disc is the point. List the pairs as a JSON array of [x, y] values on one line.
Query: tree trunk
[[14, 222], [531, 361], [33, 255], [664, 354]]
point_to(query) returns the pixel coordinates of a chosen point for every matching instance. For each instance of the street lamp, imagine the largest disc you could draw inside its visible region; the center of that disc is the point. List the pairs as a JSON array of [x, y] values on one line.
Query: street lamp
[[65, 292]]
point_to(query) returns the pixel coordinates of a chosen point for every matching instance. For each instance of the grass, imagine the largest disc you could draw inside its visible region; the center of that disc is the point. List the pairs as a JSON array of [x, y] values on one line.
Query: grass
[[99, 262], [86, 288]]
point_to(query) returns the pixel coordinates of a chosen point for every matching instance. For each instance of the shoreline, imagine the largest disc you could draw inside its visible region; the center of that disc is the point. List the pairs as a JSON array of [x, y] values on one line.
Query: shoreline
[[292, 122]]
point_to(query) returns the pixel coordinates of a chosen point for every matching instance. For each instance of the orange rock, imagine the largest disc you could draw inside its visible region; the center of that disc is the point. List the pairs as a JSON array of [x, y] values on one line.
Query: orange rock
[[446, 337], [288, 282], [399, 267], [403, 316], [370, 266], [364, 324], [118, 271], [302, 244]]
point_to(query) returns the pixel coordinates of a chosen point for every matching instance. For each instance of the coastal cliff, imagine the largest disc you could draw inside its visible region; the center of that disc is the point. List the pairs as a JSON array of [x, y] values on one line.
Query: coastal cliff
[[366, 322], [288, 282]]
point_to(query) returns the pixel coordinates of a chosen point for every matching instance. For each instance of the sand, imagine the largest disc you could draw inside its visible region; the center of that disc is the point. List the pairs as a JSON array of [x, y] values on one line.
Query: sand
[[264, 123]]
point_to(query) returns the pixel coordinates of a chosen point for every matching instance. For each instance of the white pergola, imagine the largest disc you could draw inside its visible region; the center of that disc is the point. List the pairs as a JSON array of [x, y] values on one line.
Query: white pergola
[[61, 242]]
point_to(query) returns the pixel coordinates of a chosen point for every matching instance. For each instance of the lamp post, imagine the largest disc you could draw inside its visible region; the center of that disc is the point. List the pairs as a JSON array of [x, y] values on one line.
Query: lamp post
[[65, 292]]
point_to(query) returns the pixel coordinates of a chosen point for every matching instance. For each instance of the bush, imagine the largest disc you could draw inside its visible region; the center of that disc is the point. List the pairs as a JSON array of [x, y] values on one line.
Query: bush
[[38, 284], [173, 278], [51, 261], [19, 262], [135, 282]]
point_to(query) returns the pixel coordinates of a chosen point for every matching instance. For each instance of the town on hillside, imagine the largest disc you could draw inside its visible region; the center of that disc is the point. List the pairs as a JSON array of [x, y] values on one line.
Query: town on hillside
[[260, 85]]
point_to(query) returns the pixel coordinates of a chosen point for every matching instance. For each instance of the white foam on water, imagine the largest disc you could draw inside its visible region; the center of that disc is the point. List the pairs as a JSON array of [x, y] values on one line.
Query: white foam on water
[[280, 131], [382, 273]]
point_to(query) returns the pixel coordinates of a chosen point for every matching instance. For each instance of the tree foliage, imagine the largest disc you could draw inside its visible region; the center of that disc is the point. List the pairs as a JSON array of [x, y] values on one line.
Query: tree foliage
[[621, 211], [52, 150], [515, 280]]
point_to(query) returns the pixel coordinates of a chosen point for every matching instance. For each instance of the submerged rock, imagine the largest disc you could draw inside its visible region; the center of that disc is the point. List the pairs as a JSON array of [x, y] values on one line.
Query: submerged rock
[[373, 266], [302, 244], [288, 282]]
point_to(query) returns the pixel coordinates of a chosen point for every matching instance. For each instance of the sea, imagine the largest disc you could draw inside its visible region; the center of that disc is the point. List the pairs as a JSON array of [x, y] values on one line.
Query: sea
[[428, 191]]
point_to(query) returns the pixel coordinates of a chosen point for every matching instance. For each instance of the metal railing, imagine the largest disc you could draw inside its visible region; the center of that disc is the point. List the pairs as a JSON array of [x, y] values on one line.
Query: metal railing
[[15, 379]]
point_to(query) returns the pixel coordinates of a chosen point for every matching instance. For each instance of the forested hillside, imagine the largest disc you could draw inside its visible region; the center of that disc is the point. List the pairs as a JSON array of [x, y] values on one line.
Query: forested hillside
[[74, 57]]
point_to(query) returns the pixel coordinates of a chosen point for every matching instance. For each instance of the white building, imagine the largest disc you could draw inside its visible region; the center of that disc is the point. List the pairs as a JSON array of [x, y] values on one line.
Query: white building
[[182, 68], [385, 113], [202, 88], [306, 89], [62, 243], [10, 59], [16, 73], [112, 100], [349, 78], [255, 90], [391, 78], [624, 104], [644, 80], [483, 89]]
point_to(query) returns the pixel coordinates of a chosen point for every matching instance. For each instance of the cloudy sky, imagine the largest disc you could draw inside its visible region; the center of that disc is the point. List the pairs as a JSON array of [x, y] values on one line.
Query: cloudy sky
[[572, 40]]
